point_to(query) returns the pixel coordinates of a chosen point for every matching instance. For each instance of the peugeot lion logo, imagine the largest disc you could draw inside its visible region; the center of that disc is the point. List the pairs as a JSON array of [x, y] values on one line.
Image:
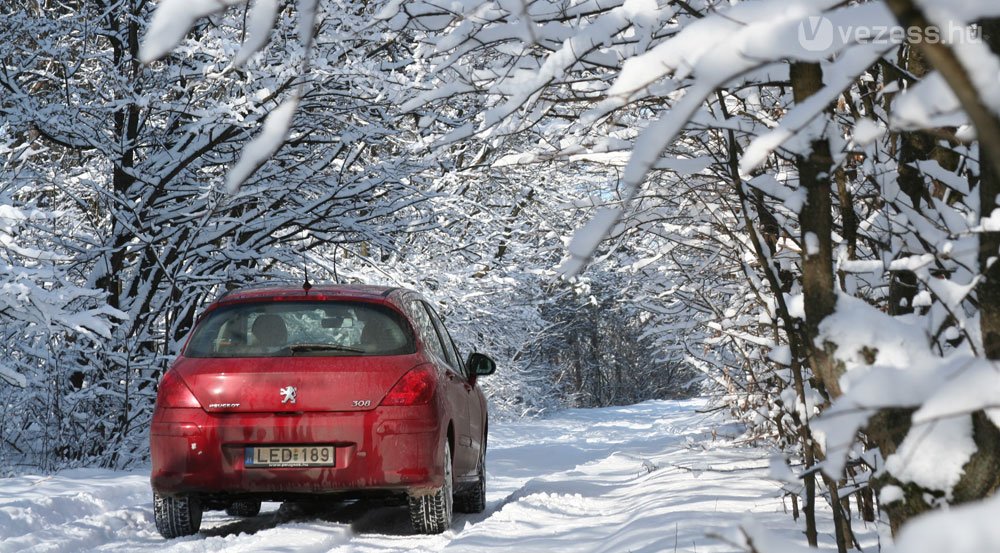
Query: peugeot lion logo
[[288, 394]]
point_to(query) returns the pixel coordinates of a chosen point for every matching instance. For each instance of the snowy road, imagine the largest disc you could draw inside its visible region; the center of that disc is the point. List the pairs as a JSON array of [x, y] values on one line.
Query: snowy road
[[645, 478]]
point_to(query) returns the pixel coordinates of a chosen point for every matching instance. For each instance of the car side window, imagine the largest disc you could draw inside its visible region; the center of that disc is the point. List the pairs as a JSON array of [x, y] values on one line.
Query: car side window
[[425, 329], [458, 355], [449, 345]]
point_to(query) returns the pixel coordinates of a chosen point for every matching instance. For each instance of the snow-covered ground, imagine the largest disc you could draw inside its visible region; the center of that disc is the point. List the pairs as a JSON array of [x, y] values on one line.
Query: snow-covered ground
[[653, 477]]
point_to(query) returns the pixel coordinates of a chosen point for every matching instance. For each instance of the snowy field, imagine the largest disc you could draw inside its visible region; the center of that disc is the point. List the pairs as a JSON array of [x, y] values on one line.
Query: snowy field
[[654, 477]]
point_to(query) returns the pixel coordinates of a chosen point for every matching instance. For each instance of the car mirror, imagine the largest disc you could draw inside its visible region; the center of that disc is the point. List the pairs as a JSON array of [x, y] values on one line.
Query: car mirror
[[480, 364]]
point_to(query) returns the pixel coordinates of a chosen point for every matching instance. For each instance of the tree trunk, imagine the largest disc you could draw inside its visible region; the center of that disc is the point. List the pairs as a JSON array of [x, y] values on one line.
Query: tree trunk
[[886, 430], [913, 146], [988, 291], [816, 222], [840, 525]]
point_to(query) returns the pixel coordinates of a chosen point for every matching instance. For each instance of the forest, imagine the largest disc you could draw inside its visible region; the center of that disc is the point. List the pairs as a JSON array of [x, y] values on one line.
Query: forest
[[787, 206]]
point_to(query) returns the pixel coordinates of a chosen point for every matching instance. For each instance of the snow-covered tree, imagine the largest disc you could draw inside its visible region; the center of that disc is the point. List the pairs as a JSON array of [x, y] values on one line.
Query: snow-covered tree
[[136, 156], [853, 199]]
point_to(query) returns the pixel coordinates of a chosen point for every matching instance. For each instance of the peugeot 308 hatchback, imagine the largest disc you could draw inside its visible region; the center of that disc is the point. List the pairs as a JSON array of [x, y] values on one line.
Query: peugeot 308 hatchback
[[286, 393]]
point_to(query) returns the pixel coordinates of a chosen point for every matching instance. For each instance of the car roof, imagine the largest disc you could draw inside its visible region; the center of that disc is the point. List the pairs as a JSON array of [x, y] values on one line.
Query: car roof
[[319, 291]]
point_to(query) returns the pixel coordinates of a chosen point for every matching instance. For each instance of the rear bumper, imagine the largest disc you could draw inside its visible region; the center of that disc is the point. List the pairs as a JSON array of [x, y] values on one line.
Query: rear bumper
[[385, 449]]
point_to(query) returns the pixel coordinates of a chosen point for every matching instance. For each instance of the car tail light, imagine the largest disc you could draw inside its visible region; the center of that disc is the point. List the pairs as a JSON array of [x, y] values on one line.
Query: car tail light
[[415, 388], [173, 392]]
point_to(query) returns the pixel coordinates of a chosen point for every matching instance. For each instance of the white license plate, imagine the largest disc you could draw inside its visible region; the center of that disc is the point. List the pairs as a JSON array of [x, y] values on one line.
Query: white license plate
[[289, 456]]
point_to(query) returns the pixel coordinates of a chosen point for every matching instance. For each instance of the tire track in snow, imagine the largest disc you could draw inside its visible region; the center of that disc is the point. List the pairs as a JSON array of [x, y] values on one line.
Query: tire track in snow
[[643, 478]]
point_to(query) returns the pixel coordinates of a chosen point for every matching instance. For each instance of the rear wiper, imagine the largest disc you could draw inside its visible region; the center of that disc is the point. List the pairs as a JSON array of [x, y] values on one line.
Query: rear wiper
[[302, 348]]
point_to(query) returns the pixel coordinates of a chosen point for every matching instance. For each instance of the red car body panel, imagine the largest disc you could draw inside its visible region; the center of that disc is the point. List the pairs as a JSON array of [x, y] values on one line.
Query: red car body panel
[[198, 442], [254, 383]]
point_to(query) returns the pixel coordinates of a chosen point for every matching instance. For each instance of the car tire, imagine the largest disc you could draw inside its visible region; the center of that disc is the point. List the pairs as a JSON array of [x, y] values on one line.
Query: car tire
[[244, 508], [431, 513], [473, 500], [176, 516]]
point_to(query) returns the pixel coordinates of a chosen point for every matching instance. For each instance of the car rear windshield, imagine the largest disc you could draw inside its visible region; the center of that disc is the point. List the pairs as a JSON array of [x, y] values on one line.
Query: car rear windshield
[[284, 329]]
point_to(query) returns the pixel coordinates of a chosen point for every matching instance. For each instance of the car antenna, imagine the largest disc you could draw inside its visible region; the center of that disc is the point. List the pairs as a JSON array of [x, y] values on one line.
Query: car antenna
[[306, 285]]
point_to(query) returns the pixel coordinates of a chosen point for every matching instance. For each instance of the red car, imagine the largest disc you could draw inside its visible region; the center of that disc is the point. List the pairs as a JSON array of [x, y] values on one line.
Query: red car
[[287, 393]]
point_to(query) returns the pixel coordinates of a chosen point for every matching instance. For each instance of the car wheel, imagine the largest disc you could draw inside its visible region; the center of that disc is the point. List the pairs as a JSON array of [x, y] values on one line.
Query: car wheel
[[473, 500], [431, 513], [176, 516], [243, 508]]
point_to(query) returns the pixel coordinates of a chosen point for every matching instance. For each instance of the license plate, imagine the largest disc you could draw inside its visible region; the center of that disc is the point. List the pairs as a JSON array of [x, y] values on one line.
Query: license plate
[[289, 456]]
